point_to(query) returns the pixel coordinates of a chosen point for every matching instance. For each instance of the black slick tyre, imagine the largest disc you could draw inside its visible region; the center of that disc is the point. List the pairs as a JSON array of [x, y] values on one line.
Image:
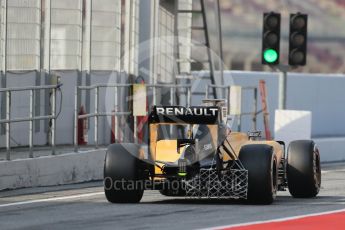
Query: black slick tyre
[[303, 169], [123, 174], [261, 163]]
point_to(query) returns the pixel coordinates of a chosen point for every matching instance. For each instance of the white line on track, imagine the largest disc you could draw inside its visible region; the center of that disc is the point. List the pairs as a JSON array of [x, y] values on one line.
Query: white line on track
[[329, 171], [51, 199], [275, 220]]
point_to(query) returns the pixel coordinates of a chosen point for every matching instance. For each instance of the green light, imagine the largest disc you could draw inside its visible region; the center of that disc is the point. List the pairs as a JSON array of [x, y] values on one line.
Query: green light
[[270, 55], [182, 174]]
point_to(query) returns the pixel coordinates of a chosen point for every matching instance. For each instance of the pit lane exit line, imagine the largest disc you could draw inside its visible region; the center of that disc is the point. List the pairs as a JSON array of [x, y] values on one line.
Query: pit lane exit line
[[51, 199], [329, 171]]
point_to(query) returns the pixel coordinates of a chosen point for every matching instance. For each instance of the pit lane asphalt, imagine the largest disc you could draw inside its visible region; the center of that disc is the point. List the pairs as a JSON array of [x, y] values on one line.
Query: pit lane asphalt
[[83, 206]]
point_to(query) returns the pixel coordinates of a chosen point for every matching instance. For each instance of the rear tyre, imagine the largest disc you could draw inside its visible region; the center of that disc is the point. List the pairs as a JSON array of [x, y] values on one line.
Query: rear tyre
[[261, 163], [123, 182], [303, 169]]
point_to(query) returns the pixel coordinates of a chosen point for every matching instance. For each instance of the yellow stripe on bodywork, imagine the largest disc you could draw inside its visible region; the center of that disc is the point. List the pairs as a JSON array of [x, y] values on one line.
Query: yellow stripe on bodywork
[[166, 150]]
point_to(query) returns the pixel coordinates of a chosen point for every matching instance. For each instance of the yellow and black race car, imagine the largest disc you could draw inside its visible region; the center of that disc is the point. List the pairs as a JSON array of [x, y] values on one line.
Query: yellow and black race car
[[192, 153]]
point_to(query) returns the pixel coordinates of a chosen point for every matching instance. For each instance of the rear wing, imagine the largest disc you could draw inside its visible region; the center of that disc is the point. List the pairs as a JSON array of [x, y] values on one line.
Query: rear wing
[[183, 115]]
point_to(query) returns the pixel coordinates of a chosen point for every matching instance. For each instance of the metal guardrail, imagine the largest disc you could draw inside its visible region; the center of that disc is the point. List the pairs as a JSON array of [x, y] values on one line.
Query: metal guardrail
[[151, 90], [31, 118], [254, 113], [96, 114]]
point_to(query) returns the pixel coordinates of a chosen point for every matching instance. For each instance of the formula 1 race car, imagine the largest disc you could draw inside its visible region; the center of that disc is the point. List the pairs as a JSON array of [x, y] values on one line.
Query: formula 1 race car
[[191, 152]]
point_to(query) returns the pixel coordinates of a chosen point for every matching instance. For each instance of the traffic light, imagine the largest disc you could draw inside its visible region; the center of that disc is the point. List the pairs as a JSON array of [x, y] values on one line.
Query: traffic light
[[270, 39], [298, 39]]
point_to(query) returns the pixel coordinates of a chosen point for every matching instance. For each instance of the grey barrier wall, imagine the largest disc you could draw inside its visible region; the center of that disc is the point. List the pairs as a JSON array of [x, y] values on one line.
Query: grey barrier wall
[[323, 95], [319, 93]]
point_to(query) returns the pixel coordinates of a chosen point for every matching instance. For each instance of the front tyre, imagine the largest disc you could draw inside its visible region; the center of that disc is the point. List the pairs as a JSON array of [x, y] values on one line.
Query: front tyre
[[123, 182], [303, 169], [261, 163]]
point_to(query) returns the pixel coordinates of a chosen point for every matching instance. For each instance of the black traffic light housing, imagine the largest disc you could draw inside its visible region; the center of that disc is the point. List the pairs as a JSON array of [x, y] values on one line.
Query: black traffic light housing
[[270, 39], [298, 39]]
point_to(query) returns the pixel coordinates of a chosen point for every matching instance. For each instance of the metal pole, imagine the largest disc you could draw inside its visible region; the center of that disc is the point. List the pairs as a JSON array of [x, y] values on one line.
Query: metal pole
[[90, 38], [8, 134], [240, 116], [206, 92], [96, 117], [41, 38], [75, 135], [255, 107], [50, 36], [220, 42], [154, 95], [81, 37], [188, 96], [135, 135], [115, 116], [172, 95], [228, 96], [155, 49], [130, 37], [171, 103], [53, 108], [49, 71], [239, 123], [5, 46], [31, 123], [208, 45], [282, 89]]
